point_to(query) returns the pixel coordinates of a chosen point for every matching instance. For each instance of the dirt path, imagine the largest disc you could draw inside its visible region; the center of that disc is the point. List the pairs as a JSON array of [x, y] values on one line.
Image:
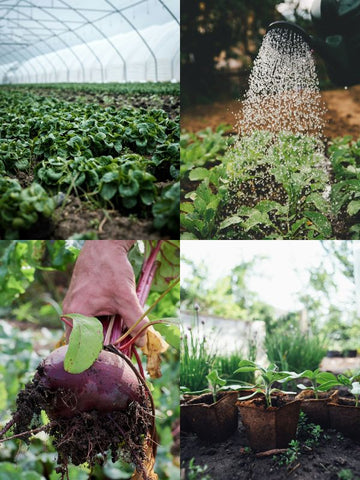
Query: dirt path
[[342, 118]]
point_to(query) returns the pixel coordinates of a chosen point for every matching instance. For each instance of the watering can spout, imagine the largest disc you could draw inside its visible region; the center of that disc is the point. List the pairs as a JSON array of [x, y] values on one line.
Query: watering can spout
[[341, 58]]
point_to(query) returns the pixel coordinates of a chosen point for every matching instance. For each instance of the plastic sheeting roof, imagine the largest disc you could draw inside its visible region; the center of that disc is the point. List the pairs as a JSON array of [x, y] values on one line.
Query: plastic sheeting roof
[[89, 40]]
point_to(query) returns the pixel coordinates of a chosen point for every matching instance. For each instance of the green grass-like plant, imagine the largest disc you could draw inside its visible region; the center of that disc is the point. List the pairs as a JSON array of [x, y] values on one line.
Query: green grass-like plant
[[295, 351], [197, 359]]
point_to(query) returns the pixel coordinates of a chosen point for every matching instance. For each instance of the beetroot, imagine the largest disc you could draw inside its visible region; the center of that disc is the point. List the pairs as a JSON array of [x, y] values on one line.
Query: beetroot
[[92, 413], [108, 385]]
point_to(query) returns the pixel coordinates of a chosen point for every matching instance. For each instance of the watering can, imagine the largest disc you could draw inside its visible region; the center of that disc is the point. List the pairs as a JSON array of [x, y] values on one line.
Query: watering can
[[337, 23]]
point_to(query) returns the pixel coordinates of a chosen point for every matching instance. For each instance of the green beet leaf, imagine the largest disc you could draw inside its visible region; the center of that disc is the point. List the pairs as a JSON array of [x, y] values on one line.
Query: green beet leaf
[[85, 343]]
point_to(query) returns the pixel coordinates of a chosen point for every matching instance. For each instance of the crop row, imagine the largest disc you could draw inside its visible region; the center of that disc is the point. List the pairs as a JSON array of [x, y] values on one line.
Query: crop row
[[160, 88]]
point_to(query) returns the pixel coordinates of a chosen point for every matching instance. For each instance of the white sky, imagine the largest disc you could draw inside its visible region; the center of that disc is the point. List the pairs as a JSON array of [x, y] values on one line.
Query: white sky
[[279, 277]]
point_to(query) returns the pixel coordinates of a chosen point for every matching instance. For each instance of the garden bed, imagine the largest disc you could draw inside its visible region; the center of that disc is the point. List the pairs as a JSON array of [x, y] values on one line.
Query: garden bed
[[267, 186], [231, 459], [99, 161]]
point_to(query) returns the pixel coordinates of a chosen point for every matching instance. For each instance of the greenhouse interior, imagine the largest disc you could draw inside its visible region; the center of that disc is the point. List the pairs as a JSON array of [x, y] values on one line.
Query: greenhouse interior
[[49, 41], [89, 114]]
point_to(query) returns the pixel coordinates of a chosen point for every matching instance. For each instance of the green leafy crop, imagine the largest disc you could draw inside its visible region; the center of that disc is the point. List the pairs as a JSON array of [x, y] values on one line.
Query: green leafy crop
[[345, 193], [21, 208], [107, 156], [268, 186], [268, 377]]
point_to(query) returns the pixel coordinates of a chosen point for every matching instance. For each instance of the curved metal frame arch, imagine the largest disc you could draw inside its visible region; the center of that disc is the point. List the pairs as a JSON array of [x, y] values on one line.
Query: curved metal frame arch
[[170, 12], [139, 34], [67, 45], [103, 35], [82, 40], [43, 25], [26, 29], [46, 41], [33, 57], [4, 71]]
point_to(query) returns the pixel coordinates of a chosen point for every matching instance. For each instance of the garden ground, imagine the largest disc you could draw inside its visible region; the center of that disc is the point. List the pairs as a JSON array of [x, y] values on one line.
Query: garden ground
[[335, 458], [342, 117]]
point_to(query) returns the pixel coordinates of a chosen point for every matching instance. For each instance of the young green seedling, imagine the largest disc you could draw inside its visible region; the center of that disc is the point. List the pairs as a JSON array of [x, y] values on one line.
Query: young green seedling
[[268, 376], [215, 382], [321, 381], [348, 381], [355, 390]]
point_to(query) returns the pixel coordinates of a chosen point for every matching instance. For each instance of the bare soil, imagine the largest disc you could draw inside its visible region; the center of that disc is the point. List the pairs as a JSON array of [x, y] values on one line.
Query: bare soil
[[78, 218], [230, 460], [342, 117]]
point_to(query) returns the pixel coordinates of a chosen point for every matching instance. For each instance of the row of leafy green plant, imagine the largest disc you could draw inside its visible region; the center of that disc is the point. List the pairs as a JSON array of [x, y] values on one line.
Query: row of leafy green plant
[[157, 88], [114, 157], [199, 358], [268, 187]]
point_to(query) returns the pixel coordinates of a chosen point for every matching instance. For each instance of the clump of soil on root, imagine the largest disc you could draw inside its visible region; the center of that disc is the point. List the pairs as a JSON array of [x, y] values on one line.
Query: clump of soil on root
[[90, 437]]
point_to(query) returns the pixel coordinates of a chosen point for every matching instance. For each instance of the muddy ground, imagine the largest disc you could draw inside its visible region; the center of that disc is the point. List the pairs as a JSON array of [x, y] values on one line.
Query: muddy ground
[[229, 460], [342, 117]]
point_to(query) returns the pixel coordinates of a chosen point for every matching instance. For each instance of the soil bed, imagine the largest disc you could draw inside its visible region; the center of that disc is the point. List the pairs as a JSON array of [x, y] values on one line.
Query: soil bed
[[229, 459], [342, 117]]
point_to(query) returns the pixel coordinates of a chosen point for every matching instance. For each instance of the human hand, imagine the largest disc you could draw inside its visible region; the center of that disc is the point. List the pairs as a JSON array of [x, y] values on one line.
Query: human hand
[[103, 283]]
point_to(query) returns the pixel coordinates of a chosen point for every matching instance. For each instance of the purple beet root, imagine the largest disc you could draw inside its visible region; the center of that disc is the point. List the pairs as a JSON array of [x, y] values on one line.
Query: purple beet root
[[108, 385], [92, 413]]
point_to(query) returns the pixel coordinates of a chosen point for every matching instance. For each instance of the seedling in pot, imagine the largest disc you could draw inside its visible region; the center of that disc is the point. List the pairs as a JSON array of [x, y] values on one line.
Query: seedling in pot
[[321, 381], [268, 377], [215, 382], [348, 381], [355, 390]]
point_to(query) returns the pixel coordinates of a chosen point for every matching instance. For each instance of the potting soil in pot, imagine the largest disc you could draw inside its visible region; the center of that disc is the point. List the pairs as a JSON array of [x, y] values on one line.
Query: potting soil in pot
[[345, 417], [316, 410]]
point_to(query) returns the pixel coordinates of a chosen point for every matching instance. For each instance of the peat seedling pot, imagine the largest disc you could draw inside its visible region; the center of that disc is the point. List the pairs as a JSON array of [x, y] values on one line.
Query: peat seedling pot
[[345, 417], [210, 421], [272, 427], [316, 409]]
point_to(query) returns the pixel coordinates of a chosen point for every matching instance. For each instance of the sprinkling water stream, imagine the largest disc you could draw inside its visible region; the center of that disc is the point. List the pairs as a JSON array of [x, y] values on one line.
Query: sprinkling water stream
[[277, 173], [283, 93]]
